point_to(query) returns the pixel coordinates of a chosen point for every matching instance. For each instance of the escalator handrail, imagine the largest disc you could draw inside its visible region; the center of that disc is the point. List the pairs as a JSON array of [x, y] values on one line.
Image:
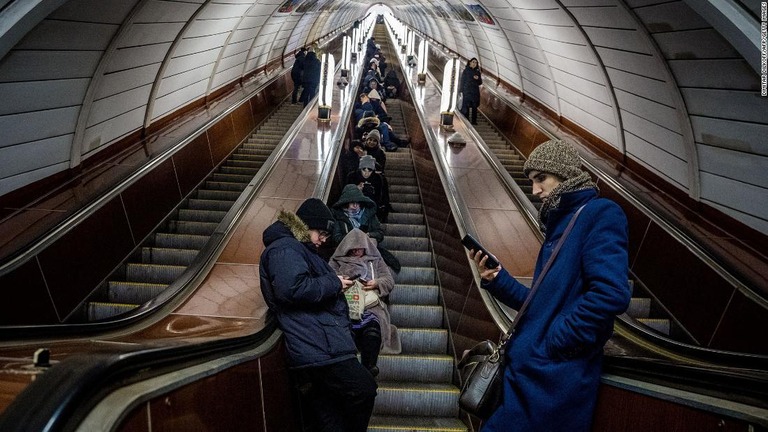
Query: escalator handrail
[[61, 396]]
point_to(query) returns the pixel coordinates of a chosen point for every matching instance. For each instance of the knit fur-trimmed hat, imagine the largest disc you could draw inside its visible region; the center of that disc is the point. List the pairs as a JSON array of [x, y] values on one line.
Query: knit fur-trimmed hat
[[367, 161], [316, 215], [554, 157]]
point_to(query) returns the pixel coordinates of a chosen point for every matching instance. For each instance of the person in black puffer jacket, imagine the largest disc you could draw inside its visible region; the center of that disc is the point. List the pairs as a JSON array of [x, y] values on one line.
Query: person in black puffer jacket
[[306, 296]]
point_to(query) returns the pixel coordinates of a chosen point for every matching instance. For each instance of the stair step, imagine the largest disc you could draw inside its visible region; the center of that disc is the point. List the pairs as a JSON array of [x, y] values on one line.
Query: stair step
[[416, 316], [417, 399], [639, 307], [659, 324], [153, 273], [96, 311], [415, 368], [154, 255], [424, 340], [133, 292], [411, 424], [409, 294]]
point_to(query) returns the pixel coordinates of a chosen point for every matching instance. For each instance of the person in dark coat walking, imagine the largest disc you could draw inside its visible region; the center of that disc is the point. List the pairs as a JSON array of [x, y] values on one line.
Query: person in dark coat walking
[[297, 73], [306, 296], [311, 78], [553, 361], [471, 80]]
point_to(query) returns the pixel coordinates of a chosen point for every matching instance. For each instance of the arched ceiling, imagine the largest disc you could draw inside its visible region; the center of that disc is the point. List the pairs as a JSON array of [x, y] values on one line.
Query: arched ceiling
[[673, 85]]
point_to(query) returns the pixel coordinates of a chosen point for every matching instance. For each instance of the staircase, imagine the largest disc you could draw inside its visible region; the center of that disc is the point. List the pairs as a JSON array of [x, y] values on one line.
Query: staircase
[[416, 390], [167, 253]]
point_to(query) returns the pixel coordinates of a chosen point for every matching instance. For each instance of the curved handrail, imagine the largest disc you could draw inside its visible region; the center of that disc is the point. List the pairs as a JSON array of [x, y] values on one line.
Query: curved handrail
[[66, 392]]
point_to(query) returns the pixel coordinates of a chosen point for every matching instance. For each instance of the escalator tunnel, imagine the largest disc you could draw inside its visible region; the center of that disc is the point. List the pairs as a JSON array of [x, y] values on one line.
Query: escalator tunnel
[[418, 388]]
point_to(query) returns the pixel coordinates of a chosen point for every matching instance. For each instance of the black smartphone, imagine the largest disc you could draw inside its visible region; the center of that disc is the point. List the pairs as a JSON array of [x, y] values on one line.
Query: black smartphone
[[471, 243]]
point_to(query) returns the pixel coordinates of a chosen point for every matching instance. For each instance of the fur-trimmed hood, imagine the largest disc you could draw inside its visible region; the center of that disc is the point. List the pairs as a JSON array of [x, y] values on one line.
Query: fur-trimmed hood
[[288, 224]]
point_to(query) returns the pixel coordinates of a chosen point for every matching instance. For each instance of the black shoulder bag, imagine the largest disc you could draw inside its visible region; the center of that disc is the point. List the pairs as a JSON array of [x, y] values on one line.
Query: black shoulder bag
[[482, 367]]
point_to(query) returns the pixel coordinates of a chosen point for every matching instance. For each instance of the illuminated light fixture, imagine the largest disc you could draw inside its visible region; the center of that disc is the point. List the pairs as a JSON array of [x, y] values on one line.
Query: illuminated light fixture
[[355, 47], [421, 69], [450, 93], [409, 52], [346, 52], [404, 46], [325, 97]]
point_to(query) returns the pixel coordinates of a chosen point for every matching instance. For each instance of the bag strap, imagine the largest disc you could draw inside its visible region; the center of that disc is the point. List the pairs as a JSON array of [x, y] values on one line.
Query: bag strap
[[541, 275]]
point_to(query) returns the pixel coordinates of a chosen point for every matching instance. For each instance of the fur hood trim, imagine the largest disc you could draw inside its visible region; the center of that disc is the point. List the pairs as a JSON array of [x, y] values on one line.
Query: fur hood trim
[[298, 228]]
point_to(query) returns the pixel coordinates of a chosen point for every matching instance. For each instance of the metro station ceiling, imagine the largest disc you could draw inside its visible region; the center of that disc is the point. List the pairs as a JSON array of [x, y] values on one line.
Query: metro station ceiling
[[672, 85]]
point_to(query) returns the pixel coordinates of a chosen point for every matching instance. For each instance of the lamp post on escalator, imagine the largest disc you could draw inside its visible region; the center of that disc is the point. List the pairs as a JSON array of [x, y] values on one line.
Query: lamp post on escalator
[[421, 67], [450, 93], [325, 96]]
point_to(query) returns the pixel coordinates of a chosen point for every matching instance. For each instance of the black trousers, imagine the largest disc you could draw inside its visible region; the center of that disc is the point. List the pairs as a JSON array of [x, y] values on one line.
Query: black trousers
[[295, 94], [368, 342], [339, 396]]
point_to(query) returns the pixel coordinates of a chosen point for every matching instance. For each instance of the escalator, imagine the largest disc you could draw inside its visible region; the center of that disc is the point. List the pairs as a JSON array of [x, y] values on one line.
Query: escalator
[[172, 248], [416, 391]]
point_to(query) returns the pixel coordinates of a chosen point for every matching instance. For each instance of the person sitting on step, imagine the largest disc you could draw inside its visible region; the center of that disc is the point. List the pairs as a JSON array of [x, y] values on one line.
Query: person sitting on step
[[358, 256]]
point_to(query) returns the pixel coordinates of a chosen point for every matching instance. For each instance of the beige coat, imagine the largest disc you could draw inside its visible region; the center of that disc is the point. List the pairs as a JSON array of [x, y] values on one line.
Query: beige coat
[[372, 266]]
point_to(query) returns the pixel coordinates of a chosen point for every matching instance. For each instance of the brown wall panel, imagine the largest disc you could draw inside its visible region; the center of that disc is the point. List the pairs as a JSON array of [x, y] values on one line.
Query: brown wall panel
[[76, 263], [26, 299], [158, 187], [212, 404], [692, 292], [638, 222], [743, 320], [193, 164], [137, 421], [280, 404], [221, 137], [242, 119], [626, 411]]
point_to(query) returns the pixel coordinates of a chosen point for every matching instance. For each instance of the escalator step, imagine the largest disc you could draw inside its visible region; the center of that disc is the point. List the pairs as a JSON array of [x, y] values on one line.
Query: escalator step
[[416, 275], [133, 292], [153, 255], [417, 399], [201, 215], [416, 316], [190, 227], [180, 241], [152, 273], [99, 310], [206, 204], [411, 424], [411, 294], [415, 368], [424, 340]]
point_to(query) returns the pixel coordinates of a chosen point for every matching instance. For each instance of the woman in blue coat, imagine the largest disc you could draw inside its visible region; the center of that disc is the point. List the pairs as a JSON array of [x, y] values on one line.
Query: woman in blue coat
[[305, 295], [554, 359]]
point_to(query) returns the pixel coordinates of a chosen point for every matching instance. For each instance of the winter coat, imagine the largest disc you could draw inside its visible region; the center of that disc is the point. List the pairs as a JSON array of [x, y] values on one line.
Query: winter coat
[[376, 269], [304, 294], [375, 187], [554, 359], [369, 223], [311, 77], [298, 68], [470, 86]]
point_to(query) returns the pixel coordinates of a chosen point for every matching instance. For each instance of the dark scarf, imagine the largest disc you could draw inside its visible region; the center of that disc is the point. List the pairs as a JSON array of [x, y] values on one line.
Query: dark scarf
[[581, 182]]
